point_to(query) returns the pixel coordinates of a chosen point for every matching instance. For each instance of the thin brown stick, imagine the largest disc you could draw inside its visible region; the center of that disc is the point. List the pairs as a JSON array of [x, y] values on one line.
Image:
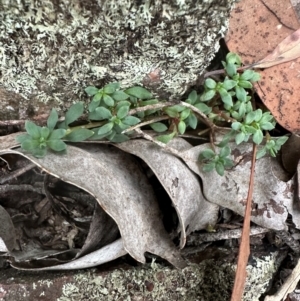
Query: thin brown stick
[[169, 149], [223, 71], [204, 118], [199, 238], [160, 105], [156, 119], [244, 251], [16, 173]]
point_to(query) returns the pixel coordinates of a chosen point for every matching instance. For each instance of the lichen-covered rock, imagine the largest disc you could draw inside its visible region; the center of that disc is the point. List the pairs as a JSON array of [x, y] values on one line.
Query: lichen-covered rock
[[50, 50], [207, 280]]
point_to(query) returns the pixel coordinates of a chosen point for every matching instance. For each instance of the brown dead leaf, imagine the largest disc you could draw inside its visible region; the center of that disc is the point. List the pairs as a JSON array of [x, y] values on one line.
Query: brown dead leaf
[[256, 29], [9, 141], [103, 255], [272, 197], [183, 187], [287, 50], [103, 231], [7, 232], [122, 190]]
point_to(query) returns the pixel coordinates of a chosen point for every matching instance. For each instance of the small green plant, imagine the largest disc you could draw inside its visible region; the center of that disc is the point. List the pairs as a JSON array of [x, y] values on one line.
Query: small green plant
[[219, 161], [230, 101], [114, 113], [39, 139]]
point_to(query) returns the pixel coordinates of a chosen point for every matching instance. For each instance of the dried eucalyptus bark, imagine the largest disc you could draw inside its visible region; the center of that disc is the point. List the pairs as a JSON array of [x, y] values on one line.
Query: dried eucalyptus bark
[[50, 50]]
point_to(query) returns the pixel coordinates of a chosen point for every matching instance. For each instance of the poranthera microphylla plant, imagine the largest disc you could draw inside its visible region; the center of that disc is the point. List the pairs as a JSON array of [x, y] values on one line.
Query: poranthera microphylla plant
[[113, 114]]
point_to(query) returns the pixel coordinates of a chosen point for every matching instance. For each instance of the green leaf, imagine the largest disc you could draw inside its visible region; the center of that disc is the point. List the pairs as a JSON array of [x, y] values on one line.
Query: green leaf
[[106, 128], [273, 152], [57, 134], [203, 108], [270, 144], [192, 121], [111, 135], [281, 140], [45, 132], [258, 137], [268, 126], [231, 69], [207, 154], [181, 127], [93, 105], [226, 97], [247, 74], [225, 151], [119, 96], [91, 90], [170, 111], [158, 127], [131, 120], [121, 104], [258, 115], [56, 145], [210, 83], [78, 135], [138, 92], [178, 108], [133, 100], [236, 126], [241, 94], [96, 136], [261, 153], [266, 117], [111, 88], [193, 96], [250, 117], [226, 138], [245, 84], [236, 115], [32, 129], [148, 102], [242, 109], [208, 95], [250, 129], [209, 167], [228, 163], [39, 152], [239, 138], [120, 127], [185, 114], [118, 138], [256, 77], [30, 144], [22, 138], [108, 100], [52, 120], [122, 112], [228, 84], [75, 111], [233, 58], [103, 113], [165, 138], [220, 168], [98, 96]]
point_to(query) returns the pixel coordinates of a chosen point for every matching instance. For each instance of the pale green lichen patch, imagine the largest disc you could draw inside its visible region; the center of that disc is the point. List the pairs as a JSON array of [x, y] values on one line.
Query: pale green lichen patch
[[206, 281], [260, 273], [53, 49]]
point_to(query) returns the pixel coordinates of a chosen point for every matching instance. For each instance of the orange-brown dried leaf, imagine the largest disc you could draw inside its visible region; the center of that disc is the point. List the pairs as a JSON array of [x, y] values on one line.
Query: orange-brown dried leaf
[[287, 50], [256, 28]]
